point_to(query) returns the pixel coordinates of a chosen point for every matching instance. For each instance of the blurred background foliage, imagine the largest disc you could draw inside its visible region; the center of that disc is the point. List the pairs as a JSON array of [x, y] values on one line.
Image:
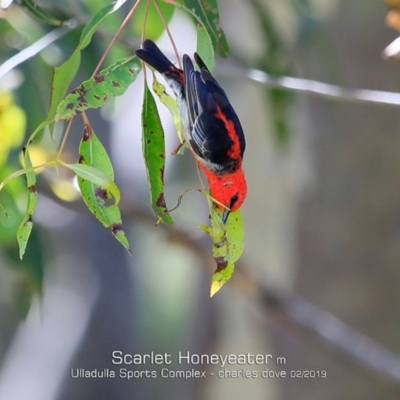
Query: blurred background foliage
[[24, 23], [322, 217]]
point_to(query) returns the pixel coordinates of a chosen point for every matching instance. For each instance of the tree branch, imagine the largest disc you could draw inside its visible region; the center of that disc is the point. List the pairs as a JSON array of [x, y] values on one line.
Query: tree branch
[[312, 87], [293, 312]]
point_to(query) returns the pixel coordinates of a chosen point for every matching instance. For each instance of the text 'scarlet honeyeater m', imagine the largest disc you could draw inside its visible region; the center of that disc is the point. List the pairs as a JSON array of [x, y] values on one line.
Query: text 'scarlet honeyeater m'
[[213, 130]]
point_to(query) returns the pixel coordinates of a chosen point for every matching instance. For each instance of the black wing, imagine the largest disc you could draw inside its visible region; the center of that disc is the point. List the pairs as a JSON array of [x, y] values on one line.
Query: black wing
[[209, 110]]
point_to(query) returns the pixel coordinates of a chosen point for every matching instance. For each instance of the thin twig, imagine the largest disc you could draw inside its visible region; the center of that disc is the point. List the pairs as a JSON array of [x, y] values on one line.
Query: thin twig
[[116, 36], [64, 140], [146, 14], [168, 33]]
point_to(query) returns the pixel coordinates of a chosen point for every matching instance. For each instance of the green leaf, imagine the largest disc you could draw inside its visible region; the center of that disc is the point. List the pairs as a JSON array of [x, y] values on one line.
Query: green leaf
[[153, 24], [234, 235], [93, 93], [96, 182], [65, 73], [39, 13], [204, 47], [25, 228], [10, 216], [95, 176], [153, 145], [97, 19], [62, 78], [31, 272], [228, 245], [207, 13], [38, 130]]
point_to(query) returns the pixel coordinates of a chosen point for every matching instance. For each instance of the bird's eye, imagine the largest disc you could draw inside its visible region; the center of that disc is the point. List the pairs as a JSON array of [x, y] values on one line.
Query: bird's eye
[[234, 199]]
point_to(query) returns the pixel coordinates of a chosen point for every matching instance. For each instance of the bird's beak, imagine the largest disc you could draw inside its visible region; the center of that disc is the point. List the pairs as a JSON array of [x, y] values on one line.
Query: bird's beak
[[225, 215]]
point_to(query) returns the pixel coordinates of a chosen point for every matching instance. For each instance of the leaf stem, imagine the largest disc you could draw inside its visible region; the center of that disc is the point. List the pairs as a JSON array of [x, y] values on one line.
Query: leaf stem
[[66, 134], [168, 33], [142, 39], [23, 171], [114, 39], [145, 20]]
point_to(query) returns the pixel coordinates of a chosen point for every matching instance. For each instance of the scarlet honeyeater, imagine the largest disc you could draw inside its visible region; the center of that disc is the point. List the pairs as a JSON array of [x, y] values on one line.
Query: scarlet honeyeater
[[212, 127]]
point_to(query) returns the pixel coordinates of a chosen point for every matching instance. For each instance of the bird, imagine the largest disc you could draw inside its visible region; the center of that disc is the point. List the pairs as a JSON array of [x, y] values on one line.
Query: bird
[[212, 128]]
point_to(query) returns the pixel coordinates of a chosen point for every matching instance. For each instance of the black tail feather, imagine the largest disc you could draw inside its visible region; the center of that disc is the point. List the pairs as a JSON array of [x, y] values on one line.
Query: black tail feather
[[152, 55]]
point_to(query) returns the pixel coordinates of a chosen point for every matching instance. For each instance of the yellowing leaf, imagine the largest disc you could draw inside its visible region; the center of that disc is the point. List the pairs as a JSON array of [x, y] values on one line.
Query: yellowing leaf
[[220, 277], [228, 245], [171, 104]]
